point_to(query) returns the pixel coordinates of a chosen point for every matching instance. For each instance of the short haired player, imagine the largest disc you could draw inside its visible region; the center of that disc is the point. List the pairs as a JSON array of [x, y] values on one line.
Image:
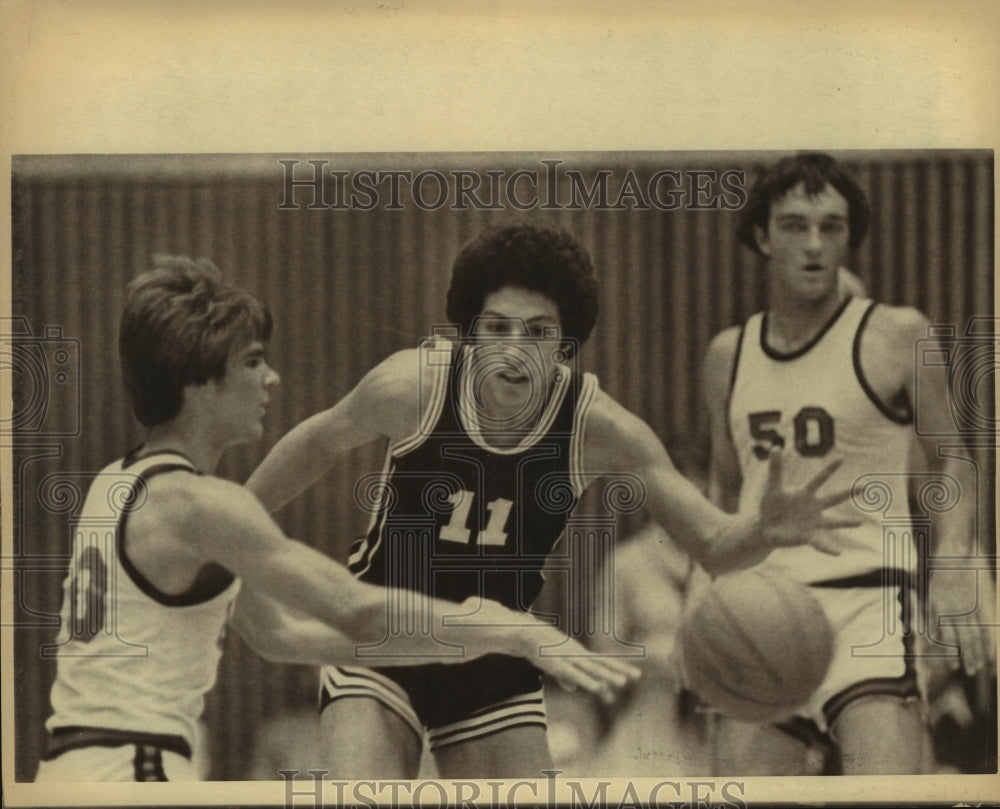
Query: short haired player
[[824, 372], [508, 435], [151, 588]]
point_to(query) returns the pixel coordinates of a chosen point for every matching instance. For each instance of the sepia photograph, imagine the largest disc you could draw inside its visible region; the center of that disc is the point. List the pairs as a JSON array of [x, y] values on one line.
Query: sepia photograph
[[449, 362], [597, 475]]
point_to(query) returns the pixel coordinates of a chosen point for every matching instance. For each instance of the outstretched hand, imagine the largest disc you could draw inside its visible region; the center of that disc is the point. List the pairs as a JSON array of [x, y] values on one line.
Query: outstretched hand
[[797, 516], [573, 666], [497, 629]]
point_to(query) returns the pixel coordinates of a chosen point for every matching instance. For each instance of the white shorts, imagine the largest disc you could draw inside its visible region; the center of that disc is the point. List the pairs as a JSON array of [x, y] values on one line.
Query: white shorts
[[873, 652], [129, 762]]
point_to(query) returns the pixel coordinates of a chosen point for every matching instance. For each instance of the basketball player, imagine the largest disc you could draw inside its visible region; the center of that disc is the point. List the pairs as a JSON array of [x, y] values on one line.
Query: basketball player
[[506, 436], [164, 547], [823, 371]]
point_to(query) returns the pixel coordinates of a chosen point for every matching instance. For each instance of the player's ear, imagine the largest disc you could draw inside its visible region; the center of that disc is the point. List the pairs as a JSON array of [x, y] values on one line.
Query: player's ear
[[763, 243]]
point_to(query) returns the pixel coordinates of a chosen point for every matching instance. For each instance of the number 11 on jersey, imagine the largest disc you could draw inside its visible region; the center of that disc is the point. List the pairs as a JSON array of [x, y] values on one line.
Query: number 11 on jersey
[[492, 534]]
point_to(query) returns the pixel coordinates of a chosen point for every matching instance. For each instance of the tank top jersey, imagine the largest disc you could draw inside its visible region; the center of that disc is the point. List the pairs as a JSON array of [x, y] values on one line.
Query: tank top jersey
[[129, 657], [816, 403], [458, 517]]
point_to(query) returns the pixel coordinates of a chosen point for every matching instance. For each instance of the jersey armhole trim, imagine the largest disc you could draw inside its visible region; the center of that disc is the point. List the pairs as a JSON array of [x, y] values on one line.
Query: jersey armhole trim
[[133, 457], [588, 391], [732, 384], [192, 596], [884, 409], [432, 412]]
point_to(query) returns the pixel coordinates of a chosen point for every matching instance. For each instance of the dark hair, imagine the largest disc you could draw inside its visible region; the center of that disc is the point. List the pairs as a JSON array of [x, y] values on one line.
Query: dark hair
[[816, 170], [181, 322], [545, 260]]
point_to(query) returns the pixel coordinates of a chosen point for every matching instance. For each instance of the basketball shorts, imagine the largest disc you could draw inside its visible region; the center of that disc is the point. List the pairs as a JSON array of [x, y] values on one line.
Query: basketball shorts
[[450, 703], [873, 647], [96, 754]]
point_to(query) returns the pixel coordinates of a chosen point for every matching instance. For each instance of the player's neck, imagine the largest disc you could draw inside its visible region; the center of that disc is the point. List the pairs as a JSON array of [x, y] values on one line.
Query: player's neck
[[181, 435], [507, 417], [497, 427], [791, 324], [504, 413]]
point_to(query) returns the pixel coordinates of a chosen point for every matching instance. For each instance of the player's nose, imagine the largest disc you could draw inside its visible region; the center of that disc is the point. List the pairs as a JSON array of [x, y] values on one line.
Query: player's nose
[[271, 377]]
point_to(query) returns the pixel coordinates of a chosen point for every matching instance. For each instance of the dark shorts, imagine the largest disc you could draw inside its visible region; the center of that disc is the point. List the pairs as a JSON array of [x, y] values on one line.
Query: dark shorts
[[451, 703]]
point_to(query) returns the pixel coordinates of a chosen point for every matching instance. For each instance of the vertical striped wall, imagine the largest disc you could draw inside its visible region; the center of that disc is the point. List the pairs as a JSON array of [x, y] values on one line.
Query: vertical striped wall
[[347, 288]]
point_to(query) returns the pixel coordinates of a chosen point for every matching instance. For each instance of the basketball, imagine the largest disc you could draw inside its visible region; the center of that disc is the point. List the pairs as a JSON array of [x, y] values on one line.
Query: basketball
[[755, 646]]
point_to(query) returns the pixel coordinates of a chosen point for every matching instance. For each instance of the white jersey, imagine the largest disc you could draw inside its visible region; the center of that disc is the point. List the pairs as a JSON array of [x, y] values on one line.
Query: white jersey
[[131, 658], [817, 404]]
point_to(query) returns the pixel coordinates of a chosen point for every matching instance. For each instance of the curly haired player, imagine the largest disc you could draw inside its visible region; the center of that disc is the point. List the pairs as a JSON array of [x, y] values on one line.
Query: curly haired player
[[492, 438]]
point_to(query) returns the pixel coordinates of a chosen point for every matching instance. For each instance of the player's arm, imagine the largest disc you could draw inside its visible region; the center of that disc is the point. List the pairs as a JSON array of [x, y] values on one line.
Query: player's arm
[[962, 596], [282, 634], [617, 441], [724, 477], [226, 524], [385, 403]]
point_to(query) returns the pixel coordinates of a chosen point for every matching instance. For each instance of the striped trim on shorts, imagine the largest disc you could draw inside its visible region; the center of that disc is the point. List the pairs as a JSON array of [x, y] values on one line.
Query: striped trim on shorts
[[340, 682], [903, 687], [519, 711]]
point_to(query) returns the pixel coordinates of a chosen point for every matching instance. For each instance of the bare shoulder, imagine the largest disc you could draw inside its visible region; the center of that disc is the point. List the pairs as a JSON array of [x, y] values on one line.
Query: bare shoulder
[[889, 340], [722, 347], [887, 349], [616, 439], [898, 326], [395, 378], [405, 378], [386, 402], [719, 359], [608, 419], [199, 502], [184, 516]]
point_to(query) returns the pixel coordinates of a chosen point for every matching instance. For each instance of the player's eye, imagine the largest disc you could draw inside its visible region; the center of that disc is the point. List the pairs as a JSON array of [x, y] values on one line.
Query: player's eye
[[833, 228], [504, 327]]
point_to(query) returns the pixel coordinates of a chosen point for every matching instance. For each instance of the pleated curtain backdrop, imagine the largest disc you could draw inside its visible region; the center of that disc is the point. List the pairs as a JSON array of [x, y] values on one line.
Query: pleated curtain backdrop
[[349, 287]]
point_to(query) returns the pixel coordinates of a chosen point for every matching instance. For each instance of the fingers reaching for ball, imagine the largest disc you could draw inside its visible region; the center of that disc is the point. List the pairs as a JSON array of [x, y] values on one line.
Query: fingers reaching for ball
[[574, 668]]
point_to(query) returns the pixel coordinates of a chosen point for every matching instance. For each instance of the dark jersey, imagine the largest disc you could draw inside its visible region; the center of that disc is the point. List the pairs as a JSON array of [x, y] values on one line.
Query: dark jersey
[[458, 517]]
